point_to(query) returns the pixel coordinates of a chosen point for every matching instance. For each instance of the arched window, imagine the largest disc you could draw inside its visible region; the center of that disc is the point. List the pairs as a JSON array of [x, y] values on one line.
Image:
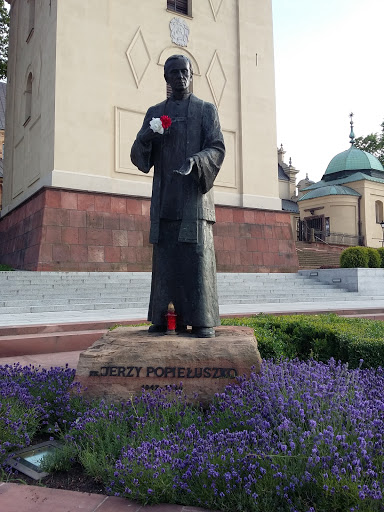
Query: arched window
[[379, 211], [28, 99], [31, 19]]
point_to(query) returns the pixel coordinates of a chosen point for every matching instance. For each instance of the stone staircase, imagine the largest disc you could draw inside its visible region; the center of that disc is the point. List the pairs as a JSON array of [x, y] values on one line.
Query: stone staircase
[[55, 293], [318, 255], [41, 292]]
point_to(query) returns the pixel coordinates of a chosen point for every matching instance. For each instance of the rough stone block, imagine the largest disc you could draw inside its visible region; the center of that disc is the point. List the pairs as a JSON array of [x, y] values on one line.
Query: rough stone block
[[53, 199], [118, 205], [129, 359], [77, 219], [102, 203], [69, 200], [79, 253], [69, 235], [95, 255], [86, 202]]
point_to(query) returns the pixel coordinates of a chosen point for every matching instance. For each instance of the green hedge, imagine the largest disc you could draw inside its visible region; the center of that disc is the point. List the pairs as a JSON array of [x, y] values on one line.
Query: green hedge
[[361, 257], [354, 257], [380, 250], [374, 258], [318, 336]]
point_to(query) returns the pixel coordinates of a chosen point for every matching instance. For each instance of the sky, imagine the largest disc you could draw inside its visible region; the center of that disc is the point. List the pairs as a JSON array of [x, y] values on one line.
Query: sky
[[328, 63]]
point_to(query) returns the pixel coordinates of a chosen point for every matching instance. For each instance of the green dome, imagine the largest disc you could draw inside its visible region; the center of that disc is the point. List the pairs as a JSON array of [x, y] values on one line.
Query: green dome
[[329, 190], [353, 159]]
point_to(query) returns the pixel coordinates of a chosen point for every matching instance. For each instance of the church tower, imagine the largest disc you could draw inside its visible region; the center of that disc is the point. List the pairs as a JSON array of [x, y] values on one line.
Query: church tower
[[81, 76]]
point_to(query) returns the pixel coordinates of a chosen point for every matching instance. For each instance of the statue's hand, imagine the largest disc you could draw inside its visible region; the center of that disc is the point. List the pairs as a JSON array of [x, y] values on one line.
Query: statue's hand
[[148, 136], [186, 168]]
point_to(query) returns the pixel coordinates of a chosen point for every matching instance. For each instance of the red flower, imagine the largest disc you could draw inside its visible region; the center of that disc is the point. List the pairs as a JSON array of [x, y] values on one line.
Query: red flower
[[166, 121]]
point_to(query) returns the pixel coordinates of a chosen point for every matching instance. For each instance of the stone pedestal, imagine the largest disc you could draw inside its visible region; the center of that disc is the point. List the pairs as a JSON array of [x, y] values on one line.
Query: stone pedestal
[[128, 359]]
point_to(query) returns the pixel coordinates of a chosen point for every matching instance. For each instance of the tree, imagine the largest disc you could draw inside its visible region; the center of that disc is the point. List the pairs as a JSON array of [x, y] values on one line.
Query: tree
[[373, 143], [4, 34]]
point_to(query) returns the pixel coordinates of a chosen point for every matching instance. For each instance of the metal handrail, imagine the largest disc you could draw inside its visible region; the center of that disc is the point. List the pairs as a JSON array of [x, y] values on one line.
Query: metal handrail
[[321, 240]]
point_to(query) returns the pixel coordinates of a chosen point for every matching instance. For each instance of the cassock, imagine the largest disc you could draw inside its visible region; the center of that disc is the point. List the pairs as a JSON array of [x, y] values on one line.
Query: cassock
[[182, 210]]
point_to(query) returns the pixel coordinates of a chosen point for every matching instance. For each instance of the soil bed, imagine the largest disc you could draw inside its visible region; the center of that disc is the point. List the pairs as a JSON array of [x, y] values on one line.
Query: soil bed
[[73, 480]]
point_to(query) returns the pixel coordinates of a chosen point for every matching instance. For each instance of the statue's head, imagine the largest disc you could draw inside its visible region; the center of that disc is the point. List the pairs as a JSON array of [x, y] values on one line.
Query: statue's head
[[178, 72]]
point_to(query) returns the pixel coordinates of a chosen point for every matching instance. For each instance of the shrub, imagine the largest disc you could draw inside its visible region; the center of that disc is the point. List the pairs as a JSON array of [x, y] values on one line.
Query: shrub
[[374, 258], [318, 336], [354, 257], [380, 250]]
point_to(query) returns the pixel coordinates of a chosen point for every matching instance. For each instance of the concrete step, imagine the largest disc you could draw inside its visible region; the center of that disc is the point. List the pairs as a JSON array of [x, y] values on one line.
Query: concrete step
[[84, 294], [40, 292], [37, 292], [347, 297]]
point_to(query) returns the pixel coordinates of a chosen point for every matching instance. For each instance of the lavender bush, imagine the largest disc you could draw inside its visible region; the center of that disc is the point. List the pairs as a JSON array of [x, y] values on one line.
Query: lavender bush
[[34, 401], [301, 436]]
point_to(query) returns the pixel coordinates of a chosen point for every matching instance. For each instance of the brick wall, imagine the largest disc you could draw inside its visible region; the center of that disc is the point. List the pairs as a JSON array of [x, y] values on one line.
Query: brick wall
[[248, 240], [79, 231]]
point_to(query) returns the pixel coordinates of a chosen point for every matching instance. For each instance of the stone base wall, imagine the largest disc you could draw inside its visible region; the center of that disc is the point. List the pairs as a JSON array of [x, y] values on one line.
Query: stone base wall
[[62, 230]]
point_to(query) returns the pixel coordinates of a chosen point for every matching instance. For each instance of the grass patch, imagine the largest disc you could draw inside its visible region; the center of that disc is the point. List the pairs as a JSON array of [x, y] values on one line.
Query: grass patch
[[4, 267]]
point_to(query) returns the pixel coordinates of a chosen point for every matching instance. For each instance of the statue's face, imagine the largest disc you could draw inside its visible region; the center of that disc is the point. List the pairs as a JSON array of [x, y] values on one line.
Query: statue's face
[[178, 75]]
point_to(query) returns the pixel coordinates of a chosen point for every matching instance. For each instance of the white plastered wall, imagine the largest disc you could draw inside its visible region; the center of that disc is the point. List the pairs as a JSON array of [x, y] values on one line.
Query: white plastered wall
[[29, 145], [343, 212], [103, 67], [371, 192]]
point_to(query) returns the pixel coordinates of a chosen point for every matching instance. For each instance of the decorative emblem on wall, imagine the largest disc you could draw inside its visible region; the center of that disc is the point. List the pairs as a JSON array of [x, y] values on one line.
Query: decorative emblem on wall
[[179, 31]]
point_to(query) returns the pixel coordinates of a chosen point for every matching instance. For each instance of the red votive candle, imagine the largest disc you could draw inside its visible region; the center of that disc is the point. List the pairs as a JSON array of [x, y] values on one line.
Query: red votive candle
[[171, 319]]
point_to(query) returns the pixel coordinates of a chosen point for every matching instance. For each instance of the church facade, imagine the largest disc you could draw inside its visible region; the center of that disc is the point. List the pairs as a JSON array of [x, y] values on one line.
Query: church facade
[[346, 206], [80, 78]]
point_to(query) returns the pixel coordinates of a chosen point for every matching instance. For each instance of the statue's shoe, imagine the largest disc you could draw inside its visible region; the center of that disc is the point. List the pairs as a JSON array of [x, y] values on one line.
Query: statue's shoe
[[203, 332], [157, 328]]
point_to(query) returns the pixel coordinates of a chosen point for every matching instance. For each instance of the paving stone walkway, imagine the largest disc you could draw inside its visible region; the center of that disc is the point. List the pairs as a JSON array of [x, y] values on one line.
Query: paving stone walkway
[[28, 498]]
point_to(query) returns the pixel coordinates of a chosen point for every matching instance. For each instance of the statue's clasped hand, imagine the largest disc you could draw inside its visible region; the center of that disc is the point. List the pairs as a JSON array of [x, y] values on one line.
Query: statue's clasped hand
[[186, 168], [149, 135]]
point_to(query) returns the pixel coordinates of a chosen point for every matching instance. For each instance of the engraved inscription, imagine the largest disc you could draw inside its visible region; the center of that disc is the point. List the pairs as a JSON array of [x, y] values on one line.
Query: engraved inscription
[[119, 371], [165, 372]]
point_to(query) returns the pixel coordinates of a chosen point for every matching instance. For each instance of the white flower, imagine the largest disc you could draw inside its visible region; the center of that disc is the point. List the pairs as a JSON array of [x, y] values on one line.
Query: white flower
[[156, 125]]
